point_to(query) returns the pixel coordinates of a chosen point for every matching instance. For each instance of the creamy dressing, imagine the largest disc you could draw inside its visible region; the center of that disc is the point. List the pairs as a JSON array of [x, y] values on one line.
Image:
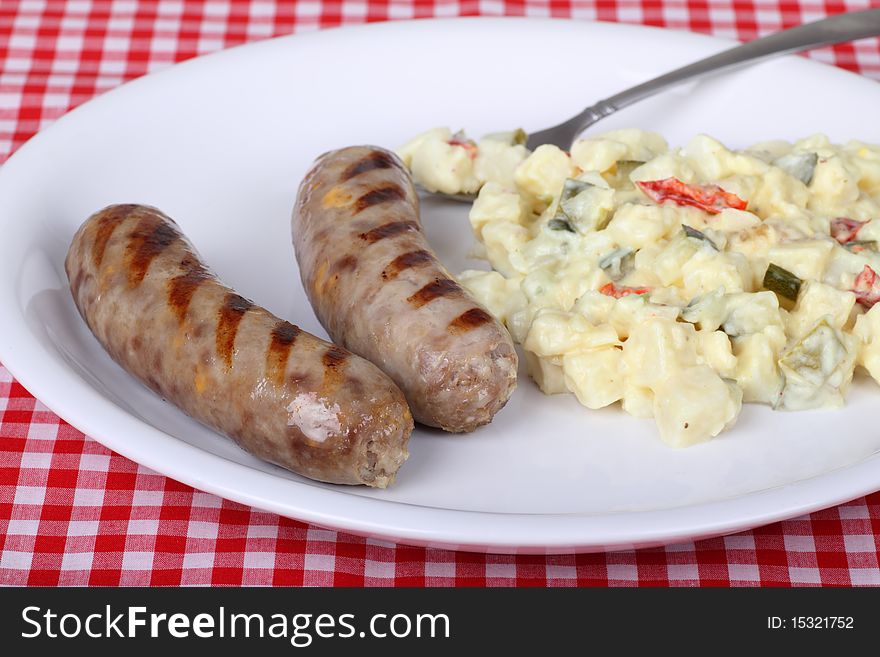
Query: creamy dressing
[[634, 273]]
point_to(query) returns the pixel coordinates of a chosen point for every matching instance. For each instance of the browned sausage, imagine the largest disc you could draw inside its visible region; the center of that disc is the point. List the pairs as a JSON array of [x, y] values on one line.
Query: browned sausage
[[379, 290], [282, 394]]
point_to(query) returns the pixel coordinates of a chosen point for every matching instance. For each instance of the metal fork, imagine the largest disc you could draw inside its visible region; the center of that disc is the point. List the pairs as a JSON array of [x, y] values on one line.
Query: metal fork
[[835, 29]]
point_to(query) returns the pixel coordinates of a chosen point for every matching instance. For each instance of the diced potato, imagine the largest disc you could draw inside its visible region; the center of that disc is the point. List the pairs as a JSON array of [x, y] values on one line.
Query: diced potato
[[668, 296], [409, 148], [754, 242], [546, 250], [871, 229], [596, 307], [865, 158], [576, 278], [655, 310], [693, 404], [670, 261], [601, 153], [597, 154], [641, 145], [797, 225], [734, 221], [713, 161], [497, 161], [625, 313], [751, 313], [555, 332], [714, 349], [495, 203], [519, 322], [638, 401], [549, 377], [635, 225], [541, 290], [440, 166], [770, 150], [835, 185], [818, 301], [502, 239], [756, 370], [844, 265], [867, 330], [776, 193], [816, 143], [656, 348], [708, 270], [667, 165], [593, 246], [542, 174], [594, 376], [707, 311], [633, 310], [805, 259]]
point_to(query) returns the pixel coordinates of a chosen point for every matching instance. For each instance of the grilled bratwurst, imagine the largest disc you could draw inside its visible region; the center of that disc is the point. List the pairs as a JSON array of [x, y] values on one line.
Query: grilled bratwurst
[[280, 393], [380, 291]]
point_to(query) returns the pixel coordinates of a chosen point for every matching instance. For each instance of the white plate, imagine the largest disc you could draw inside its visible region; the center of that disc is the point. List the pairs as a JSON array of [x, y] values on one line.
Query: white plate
[[220, 143]]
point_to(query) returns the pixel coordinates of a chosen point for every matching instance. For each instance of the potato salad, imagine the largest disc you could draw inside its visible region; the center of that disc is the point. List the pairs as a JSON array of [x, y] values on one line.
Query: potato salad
[[679, 282]]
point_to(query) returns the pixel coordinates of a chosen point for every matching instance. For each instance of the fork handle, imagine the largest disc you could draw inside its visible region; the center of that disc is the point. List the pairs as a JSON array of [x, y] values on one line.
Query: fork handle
[[835, 29]]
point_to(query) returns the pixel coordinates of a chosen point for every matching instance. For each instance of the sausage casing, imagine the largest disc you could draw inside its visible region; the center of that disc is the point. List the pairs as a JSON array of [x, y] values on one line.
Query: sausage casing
[[282, 394], [379, 290]]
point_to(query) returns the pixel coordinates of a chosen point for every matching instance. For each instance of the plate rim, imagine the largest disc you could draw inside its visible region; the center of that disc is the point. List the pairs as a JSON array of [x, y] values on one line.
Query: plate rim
[[425, 525]]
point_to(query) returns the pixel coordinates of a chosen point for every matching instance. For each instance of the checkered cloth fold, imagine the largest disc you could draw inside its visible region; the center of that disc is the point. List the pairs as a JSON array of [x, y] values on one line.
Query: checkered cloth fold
[[74, 513]]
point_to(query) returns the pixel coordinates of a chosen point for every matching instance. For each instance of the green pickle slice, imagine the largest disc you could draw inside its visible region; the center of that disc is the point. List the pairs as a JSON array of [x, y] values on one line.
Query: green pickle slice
[[786, 285], [808, 367]]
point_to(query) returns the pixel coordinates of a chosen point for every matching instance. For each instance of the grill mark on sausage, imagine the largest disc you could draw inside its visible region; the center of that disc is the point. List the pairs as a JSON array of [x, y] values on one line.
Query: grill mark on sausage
[[333, 360], [348, 263], [390, 229], [151, 236], [228, 318], [439, 287], [107, 224], [283, 336], [406, 261], [334, 357], [299, 378], [469, 319], [379, 195], [181, 288], [375, 160]]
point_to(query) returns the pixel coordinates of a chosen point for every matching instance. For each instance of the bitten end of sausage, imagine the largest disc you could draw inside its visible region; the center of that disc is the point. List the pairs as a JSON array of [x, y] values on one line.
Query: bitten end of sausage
[[466, 396], [384, 449], [382, 456], [374, 451]]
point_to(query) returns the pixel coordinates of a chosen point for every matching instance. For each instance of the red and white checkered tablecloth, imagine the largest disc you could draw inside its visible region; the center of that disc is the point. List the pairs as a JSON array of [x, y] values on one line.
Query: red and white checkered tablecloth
[[74, 513]]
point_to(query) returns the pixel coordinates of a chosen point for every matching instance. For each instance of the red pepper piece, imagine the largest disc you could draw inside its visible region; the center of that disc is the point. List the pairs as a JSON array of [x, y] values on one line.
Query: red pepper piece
[[611, 290], [867, 287], [710, 198], [845, 230], [468, 145]]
